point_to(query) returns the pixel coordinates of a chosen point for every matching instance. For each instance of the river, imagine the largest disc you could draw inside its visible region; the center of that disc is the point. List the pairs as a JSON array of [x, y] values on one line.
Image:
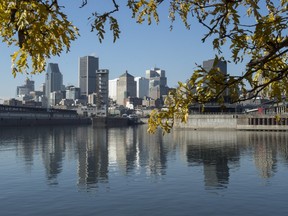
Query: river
[[73, 170]]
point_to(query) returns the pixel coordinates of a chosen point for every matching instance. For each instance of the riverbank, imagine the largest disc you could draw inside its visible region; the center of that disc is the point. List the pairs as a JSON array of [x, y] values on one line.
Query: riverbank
[[115, 121], [31, 116], [234, 122], [19, 122]]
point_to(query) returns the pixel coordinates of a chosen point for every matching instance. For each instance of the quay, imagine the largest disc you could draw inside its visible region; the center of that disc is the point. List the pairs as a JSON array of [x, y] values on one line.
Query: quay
[[116, 121], [264, 122], [33, 116]]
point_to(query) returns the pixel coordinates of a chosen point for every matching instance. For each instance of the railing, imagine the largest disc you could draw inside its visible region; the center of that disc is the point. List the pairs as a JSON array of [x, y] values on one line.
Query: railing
[[34, 112], [267, 121]]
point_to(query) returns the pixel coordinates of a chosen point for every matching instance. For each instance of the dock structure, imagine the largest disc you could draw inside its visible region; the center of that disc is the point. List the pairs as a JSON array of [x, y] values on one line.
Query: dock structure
[[29, 116], [263, 123], [109, 121], [116, 121], [235, 122]]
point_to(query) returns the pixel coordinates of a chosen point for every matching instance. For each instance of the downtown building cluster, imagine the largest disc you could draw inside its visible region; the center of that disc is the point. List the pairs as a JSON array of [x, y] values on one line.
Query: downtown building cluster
[[95, 93], [139, 92]]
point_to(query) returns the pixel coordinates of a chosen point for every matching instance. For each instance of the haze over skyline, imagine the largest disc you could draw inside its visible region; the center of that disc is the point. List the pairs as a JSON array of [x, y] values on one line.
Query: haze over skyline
[[140, 47]]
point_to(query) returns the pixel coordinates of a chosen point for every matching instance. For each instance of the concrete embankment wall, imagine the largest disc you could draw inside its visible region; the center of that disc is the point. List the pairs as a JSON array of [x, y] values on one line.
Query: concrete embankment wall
[[9, 122], [109, 122], [233, 122], [209, 122]]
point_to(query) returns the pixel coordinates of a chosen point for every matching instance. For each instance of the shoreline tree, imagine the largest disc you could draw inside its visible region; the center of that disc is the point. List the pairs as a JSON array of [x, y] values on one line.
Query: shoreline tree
[[256, 32]]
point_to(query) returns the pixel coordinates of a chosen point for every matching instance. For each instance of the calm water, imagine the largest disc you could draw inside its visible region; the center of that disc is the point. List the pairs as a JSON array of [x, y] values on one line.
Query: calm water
[[124, 171]]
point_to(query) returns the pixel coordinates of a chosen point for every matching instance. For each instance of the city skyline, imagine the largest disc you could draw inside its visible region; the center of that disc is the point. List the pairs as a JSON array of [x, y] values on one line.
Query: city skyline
[[88, 68], [54, 68], [139, 48], [40, 81]]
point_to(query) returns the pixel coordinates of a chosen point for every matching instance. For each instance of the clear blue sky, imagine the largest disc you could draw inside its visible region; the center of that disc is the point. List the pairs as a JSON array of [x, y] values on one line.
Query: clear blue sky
[[139, 48]]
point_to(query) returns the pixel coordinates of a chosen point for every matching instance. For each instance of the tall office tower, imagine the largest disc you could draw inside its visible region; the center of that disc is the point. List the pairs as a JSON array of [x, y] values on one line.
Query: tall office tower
[[102, 88], [157, 75], [30, 84], [222, 65], [126, 87], [53, 79], [26, 88], [87, 74], [142, 87], [113, 89], [157, 83]]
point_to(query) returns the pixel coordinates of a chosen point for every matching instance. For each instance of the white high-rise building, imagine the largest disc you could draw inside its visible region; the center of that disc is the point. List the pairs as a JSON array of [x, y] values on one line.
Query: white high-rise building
[[55, 97], [113, 89], [72, 92], [142, 87]]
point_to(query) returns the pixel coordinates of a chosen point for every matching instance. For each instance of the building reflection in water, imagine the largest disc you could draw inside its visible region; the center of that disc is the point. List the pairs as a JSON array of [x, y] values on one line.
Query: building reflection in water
[[47, 144], [100, 153], [93, 157], [131, 149], [53, 153], [266, 149], [215, 151]]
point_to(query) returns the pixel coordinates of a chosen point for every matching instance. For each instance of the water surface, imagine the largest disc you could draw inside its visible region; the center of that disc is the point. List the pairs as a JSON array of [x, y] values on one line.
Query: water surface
[[125, 171]]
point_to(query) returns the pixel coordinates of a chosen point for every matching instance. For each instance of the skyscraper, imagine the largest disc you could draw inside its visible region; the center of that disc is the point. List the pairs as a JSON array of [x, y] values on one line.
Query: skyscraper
[[53, 79], [113, 89], [222, 65], [102, 88], [26, 88], [142, 87], [87, 74], [157, 83], [126, 87]]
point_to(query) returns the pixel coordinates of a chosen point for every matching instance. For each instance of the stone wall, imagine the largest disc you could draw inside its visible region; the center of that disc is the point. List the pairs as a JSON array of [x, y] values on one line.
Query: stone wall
[[225, 122]]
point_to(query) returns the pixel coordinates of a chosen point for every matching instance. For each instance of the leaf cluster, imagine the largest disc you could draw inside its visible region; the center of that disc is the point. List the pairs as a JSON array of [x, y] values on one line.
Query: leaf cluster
[[255, 35], [38, 28], [99, 22]]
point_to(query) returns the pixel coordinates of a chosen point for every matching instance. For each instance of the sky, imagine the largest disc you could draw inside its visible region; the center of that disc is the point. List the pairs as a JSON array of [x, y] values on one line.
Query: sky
[[140, 47]]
